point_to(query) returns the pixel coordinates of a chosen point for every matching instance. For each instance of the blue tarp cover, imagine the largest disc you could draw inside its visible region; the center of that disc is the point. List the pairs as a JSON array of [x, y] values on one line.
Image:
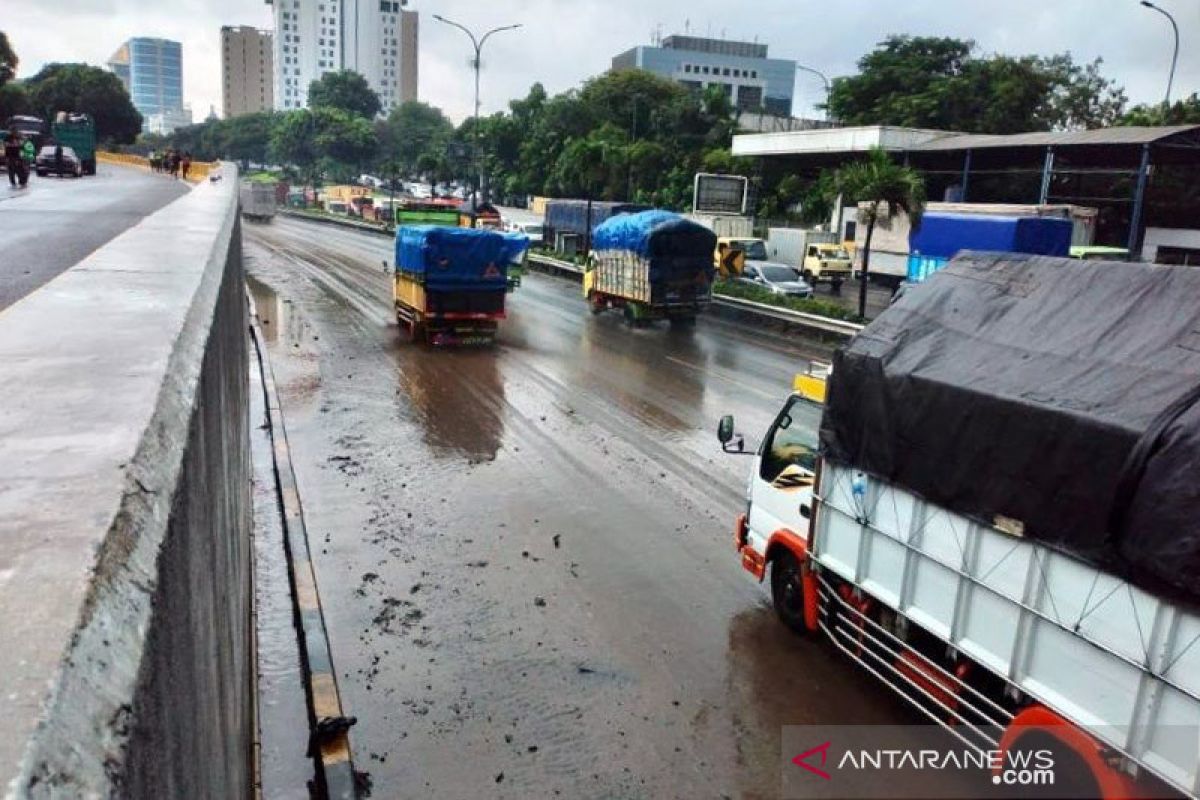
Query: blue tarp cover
[[641, 232], [453, 258], [944, 235], [515, 245]]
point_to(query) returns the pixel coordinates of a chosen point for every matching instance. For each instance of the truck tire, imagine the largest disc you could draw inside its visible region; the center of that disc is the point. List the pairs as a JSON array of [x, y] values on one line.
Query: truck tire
[[89, 167], [835, 286], [809, 278], [595, 304], [787, 592]]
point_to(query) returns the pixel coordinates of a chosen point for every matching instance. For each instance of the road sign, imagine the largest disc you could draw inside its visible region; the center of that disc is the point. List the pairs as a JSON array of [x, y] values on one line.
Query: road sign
[[719, 194]]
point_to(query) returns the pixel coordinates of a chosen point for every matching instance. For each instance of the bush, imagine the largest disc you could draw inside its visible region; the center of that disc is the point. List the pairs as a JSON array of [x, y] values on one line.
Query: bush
[[755, 294]]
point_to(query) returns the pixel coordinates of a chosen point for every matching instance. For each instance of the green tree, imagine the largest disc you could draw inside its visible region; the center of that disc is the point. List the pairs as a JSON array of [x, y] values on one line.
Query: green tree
[[1181, 112], [344, 90], [883, 185], [935, 82], [247, 137], [322, 141], [8, 60], [293, 142], [413, 130], [13, 100], [87, 89]]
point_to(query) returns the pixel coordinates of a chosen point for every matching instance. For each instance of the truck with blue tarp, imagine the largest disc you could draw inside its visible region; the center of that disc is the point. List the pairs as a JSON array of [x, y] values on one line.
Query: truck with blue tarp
[[450, 283], [942, 236], [517, 253], [651, 265]]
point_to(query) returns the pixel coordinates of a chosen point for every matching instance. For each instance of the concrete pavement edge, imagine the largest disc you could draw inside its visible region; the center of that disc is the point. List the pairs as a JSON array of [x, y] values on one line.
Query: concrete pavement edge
[[329, 740]]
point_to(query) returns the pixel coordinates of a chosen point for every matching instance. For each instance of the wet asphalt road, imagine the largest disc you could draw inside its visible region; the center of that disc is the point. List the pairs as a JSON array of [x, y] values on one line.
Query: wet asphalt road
[[525, 552], [54, 222]]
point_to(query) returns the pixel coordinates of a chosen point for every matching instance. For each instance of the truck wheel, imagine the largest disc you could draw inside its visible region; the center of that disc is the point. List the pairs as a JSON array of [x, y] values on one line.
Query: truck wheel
[[595, 304], [630, 312], [787, 591], [836, 286], [809, 278]]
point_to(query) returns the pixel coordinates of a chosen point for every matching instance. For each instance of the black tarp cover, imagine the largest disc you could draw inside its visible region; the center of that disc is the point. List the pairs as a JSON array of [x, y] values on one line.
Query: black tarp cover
[[1055, 392]]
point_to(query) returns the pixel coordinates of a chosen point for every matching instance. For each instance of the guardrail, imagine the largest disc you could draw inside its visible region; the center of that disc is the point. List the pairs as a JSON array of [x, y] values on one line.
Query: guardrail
[[838, 327], [798, 319], [322, 219]]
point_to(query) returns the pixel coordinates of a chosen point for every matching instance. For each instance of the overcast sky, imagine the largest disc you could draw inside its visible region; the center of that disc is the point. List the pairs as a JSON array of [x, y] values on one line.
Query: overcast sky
[[565, 41]]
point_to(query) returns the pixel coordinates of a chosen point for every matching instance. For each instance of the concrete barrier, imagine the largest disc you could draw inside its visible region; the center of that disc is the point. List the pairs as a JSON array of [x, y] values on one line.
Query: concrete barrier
[[125, 517], [198, 172]]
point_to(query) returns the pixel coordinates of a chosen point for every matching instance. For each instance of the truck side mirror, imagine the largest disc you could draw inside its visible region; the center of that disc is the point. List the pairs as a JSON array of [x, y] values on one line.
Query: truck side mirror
[[725, 429]]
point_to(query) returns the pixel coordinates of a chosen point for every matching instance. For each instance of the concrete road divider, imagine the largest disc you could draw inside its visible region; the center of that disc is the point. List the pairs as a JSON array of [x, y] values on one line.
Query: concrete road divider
[[125, 517]]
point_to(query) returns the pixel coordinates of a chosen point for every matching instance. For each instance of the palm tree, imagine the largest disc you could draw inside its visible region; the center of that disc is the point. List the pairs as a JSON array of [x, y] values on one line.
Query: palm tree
[[881, 182]]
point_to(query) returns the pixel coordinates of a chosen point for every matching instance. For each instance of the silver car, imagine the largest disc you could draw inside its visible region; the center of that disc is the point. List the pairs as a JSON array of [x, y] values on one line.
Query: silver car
[[776, 278]]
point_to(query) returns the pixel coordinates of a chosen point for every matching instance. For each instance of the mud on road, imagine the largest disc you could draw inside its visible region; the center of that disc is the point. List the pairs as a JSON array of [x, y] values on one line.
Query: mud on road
[[524, 552]]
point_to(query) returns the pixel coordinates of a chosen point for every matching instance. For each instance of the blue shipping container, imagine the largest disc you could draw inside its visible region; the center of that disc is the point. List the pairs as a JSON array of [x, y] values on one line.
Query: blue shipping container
[[942, 236], [453, 259]]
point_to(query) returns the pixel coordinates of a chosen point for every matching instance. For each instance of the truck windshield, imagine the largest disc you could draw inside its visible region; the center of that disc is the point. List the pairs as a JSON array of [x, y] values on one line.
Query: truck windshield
[[754, 249], [792, 441]]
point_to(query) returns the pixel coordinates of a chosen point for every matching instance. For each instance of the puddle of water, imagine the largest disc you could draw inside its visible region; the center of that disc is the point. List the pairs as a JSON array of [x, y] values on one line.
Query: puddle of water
[[270, 308], [283, 710]]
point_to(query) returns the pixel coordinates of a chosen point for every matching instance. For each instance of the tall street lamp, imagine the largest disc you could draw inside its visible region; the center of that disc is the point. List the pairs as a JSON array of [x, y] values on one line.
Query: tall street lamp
[[1175, 57], [824, 80], [478, 45]]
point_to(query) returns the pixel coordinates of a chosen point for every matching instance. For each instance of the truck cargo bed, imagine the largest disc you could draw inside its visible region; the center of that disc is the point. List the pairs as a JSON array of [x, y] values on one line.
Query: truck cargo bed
[[1121, 663]]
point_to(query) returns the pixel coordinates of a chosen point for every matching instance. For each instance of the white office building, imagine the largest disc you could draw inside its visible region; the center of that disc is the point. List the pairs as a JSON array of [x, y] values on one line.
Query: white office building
[[375, 38]]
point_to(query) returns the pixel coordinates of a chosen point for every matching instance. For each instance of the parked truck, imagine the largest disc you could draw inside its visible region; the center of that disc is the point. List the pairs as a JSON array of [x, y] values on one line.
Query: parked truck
[[570, 223], [995, 512], [78, 132], [942, 236], [731, 225], [820, 256], [652, 265], [891, 241], [449, 284], [258, 200]]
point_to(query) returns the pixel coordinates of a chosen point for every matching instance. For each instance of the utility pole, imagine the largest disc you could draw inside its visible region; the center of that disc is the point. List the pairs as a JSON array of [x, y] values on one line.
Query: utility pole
[[828, 87], [477, 44], [1175, 57]]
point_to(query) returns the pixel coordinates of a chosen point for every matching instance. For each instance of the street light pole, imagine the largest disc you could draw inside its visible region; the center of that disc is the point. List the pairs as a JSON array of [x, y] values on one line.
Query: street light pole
[[476, 63], [1175, 57], [824, 80]]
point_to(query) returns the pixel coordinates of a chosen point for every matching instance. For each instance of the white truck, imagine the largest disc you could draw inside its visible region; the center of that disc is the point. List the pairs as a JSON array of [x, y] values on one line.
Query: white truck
[[890, 241], [257, 200], [734, 226], [819, 255], [887, 519]]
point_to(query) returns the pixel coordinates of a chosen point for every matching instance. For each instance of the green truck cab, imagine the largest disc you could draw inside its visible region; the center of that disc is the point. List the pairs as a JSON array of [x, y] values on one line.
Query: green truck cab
[[78, 132]]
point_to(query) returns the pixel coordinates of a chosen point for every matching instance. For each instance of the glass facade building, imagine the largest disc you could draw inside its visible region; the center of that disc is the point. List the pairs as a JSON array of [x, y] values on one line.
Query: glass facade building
[[742, 70], [152, 71]]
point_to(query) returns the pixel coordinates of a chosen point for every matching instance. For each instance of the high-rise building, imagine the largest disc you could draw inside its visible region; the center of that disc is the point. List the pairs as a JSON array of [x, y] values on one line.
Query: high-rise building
[[376, 38], [152, 71], [247, 72], [742, 69]]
